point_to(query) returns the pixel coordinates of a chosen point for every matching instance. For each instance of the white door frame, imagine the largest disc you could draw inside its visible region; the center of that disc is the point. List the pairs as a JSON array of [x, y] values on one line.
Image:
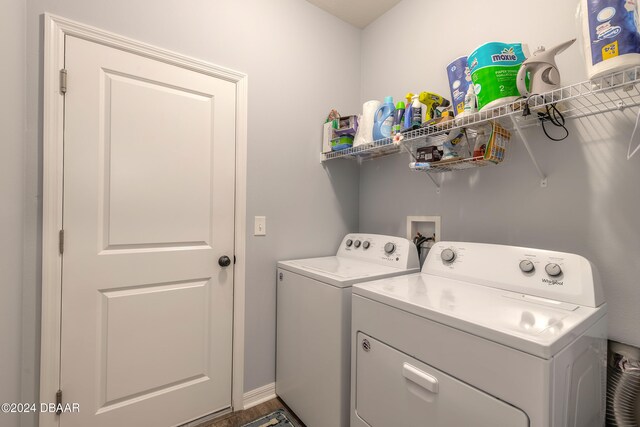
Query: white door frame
[[56, 28]]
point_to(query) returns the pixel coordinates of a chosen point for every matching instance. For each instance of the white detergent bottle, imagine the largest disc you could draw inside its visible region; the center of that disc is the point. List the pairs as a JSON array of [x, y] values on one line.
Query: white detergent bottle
[[416, 113], [470, 100]]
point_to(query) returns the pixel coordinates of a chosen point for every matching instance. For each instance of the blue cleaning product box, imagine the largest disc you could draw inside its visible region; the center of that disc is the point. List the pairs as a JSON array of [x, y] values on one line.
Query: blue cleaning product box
[[459, 81]]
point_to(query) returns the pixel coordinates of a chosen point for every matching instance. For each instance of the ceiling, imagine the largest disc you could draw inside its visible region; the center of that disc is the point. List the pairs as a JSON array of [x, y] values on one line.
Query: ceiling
[[356, 12]]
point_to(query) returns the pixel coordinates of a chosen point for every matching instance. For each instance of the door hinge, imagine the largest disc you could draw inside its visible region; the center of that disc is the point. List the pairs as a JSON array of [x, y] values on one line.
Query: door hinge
[[59, 402], [63, 81], [61, 241]]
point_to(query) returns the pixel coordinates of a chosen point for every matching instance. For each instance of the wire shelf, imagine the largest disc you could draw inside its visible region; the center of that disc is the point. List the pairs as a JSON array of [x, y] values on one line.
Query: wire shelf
[[612, 92], [381, 147], [456, 165]]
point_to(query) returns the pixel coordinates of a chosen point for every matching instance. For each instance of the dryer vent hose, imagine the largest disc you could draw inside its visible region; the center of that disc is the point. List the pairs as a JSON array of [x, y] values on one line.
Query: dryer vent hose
[[623, 388]]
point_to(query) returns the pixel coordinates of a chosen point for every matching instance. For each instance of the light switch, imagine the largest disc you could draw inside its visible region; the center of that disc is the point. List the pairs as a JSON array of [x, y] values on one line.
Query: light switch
[[260, 226]]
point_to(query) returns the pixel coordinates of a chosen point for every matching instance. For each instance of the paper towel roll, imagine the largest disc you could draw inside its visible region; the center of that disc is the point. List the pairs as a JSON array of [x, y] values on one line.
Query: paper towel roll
[[610, 35], [365, 130], [494, 68]]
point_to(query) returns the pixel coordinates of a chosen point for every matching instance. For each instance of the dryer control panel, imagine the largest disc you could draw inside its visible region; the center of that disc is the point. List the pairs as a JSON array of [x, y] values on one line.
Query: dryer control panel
[[557, 276], [386, 250]]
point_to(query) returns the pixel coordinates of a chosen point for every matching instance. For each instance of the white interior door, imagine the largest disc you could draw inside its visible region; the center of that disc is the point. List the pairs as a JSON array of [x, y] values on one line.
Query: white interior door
[[149, 152]]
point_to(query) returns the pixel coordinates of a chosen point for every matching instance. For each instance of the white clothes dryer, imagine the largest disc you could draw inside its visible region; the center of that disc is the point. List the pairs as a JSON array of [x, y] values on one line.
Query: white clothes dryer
[[314, 322], [485, 336]]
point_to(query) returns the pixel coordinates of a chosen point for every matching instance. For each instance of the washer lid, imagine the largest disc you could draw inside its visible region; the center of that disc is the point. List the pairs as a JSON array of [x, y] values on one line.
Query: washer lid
[[535, 325], [340, 271]]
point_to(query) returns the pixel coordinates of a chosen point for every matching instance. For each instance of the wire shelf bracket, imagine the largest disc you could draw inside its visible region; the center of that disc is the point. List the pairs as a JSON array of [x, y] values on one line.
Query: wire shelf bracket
[[438, 186], [525, 142]]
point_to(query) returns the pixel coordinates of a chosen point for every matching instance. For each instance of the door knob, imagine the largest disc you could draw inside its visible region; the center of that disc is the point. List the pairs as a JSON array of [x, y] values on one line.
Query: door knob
[[224, 261]]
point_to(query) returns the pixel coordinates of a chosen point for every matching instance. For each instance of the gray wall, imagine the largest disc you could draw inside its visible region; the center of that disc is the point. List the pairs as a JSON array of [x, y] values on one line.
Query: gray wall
[[592, 204], [12, 125], [287, 48]]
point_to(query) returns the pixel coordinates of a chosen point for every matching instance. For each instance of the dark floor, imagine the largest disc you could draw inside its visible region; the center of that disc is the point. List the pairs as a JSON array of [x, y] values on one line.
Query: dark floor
[[239, 418]]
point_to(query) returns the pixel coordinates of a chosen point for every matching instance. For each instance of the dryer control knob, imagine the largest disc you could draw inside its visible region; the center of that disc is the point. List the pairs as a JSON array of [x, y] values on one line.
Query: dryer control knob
[[356, 243], [365, 245], [349, 243], [389, 248], [526, 266], [553, 269], [448, 255]]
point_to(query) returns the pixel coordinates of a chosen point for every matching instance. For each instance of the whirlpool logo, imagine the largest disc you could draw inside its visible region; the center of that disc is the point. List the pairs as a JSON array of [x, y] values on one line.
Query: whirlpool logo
[[552, 282], [506, 55]]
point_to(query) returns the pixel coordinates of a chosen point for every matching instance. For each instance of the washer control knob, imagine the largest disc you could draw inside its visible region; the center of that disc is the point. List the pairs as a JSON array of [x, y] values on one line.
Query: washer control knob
[[553, 269], [526, 266], [349, 243], [390, 248], [356, 243], [365, 245], [448, 255]]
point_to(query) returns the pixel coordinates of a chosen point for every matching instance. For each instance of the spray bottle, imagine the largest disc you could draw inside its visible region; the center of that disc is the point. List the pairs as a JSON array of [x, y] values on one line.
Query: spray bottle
[[416, 112], [397, 119], [409, 111]]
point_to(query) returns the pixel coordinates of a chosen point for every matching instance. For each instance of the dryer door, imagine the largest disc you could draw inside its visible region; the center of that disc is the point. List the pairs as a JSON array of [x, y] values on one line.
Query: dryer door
[[394, 389]]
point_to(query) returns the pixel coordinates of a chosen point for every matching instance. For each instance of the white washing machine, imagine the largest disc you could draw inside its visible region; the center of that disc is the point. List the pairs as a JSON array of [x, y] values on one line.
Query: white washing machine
[[314, 322], [485, 335]]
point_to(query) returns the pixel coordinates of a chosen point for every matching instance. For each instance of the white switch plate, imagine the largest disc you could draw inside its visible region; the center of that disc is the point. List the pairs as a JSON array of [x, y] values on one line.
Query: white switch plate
[[260, 226]]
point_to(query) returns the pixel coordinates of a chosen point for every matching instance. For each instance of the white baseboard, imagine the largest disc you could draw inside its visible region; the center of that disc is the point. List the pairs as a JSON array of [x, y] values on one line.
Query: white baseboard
[[259, 395]]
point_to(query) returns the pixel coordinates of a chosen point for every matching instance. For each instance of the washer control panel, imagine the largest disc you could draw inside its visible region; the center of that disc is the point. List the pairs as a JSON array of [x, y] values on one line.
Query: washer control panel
[[386, 250], [548, 274]]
